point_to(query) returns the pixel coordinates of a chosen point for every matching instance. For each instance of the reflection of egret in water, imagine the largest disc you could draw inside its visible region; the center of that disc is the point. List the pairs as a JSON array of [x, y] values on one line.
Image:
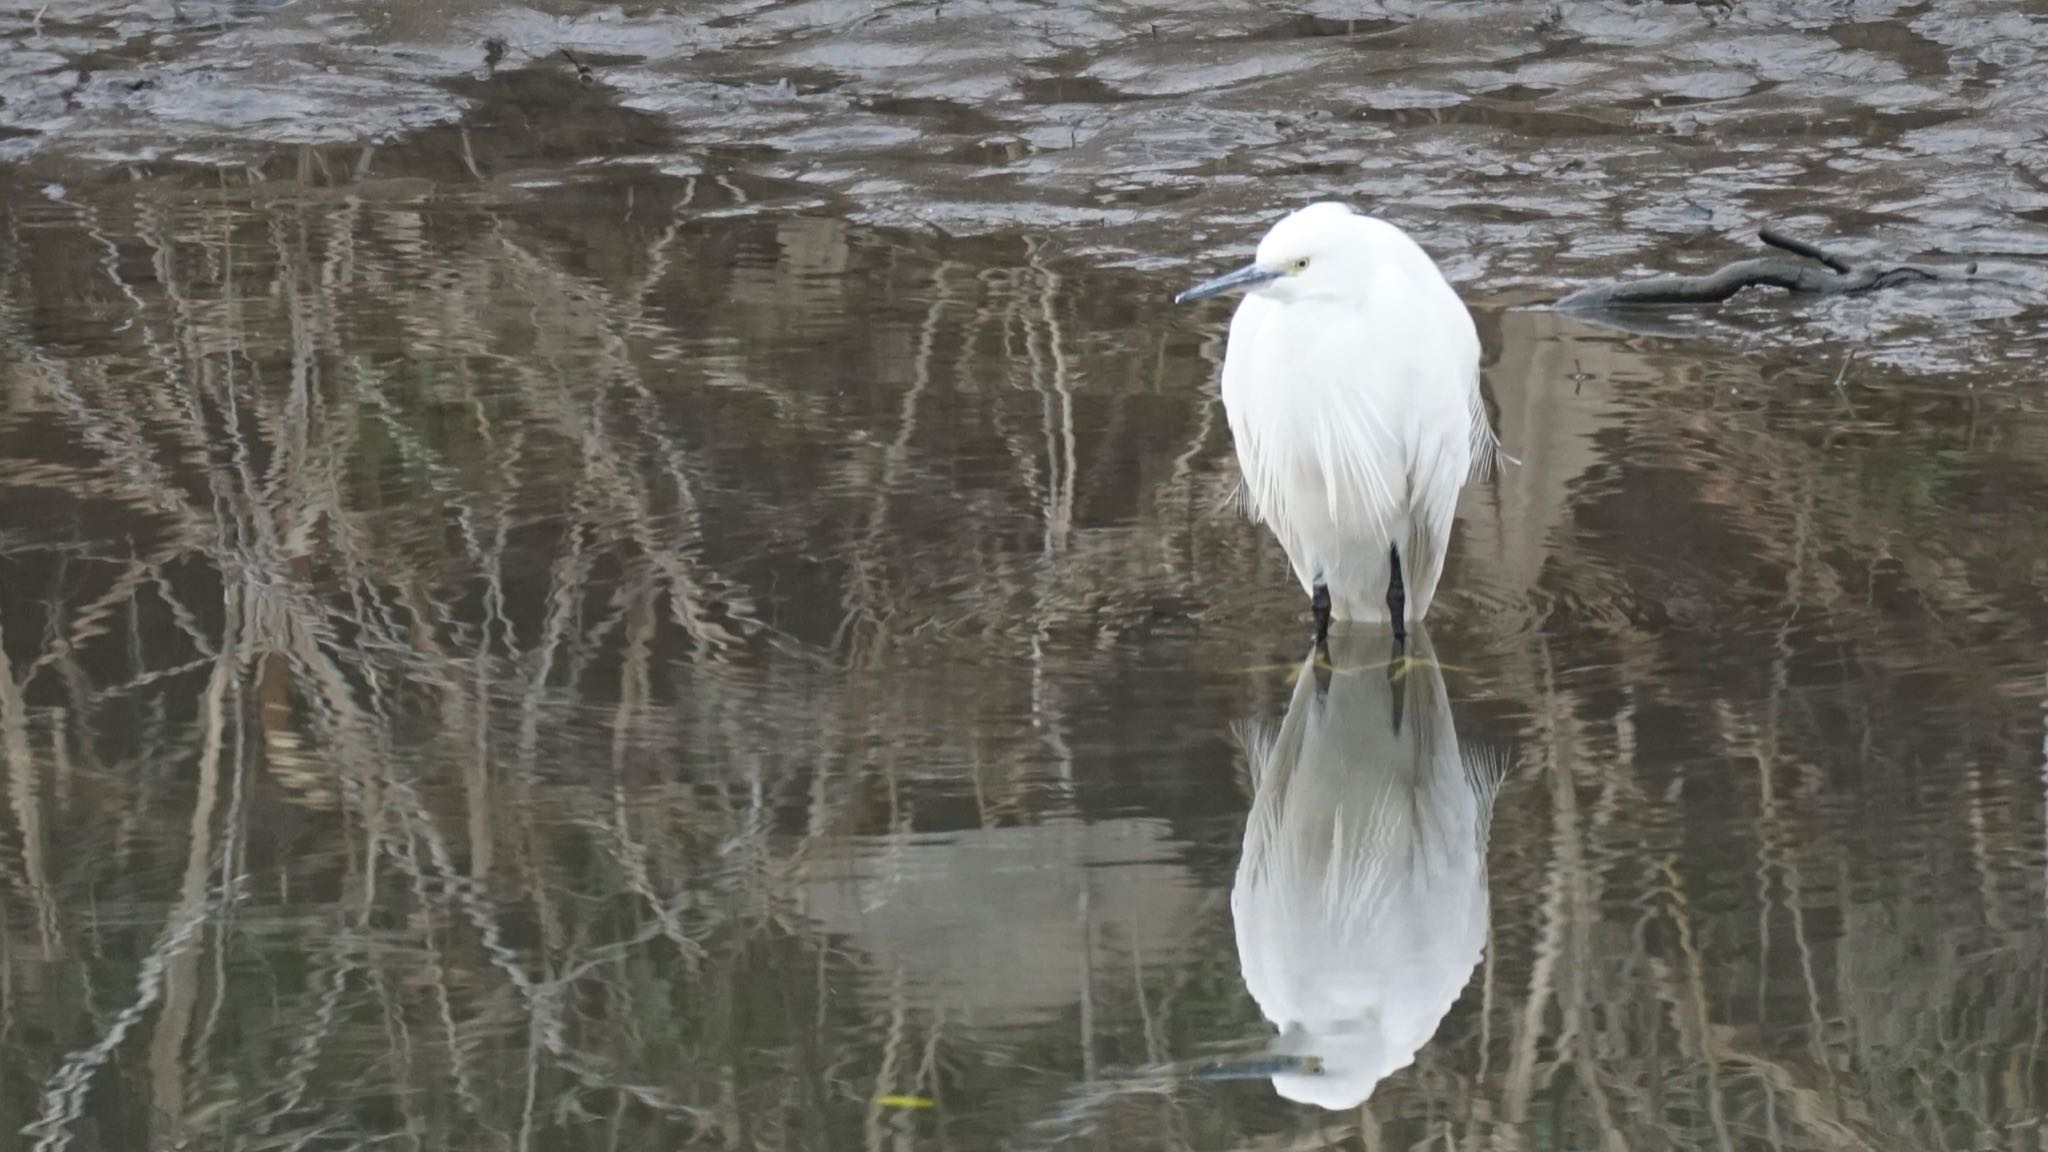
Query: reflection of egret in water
[[1360, 901]]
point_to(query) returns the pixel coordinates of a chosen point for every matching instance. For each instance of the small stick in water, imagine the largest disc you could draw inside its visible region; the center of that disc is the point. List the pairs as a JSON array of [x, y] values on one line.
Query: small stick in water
[[583, 73], [1835, 276]]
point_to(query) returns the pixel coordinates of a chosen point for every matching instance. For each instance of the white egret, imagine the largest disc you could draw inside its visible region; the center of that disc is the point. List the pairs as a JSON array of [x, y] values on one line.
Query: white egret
[[1351, 381], [1361, 901]]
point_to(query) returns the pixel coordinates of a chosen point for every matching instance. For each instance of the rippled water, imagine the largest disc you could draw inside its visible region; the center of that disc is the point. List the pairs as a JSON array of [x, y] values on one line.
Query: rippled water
[[702, 606]]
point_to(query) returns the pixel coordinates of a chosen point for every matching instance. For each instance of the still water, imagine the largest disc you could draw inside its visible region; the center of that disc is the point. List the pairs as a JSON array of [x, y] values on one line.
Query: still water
[[643, 656]]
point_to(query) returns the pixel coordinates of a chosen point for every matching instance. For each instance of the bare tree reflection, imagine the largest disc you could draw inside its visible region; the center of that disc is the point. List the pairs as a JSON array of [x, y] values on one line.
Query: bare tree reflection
[[530, 670]]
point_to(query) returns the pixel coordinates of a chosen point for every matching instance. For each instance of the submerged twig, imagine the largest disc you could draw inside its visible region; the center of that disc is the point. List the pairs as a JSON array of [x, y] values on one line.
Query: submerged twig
[[583, 72], [1834, 276]]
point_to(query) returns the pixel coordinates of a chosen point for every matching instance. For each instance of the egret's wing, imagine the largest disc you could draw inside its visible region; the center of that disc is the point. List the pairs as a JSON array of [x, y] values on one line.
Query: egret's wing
[[1438, 471], [1253, 362], [1310, 417], [1364, 858], [1396, 441], [1357, 445]]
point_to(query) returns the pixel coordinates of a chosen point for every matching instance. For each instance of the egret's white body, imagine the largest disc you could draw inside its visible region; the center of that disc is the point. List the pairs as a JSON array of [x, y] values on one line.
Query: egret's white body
[[1361, 900], [1351, 380]]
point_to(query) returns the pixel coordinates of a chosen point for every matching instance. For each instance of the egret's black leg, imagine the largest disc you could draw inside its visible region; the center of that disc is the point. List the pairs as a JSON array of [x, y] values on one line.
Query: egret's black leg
[[1319, 603], [1397, 597], [1397, 686]]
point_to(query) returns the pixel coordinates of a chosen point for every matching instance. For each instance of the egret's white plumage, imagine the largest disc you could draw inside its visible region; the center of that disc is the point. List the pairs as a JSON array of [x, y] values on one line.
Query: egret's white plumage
[[1361, 902], [1351, 380]]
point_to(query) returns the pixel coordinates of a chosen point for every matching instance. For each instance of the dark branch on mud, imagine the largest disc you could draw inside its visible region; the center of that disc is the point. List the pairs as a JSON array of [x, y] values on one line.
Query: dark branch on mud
[[1819, 273]]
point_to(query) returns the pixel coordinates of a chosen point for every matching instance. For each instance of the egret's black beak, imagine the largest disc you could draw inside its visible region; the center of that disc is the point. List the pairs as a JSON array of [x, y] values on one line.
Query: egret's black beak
[[1260, 1067], [1249, 276]]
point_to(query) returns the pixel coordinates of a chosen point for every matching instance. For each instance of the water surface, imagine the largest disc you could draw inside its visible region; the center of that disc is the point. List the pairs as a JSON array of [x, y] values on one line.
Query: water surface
[[552, 632]]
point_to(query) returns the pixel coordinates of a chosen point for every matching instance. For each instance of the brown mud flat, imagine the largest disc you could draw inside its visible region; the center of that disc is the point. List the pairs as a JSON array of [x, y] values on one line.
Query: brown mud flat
[[1536, 147]]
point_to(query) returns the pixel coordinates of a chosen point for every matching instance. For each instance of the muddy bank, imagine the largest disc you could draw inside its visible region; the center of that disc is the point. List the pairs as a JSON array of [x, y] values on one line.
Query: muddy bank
[[1535, 146]]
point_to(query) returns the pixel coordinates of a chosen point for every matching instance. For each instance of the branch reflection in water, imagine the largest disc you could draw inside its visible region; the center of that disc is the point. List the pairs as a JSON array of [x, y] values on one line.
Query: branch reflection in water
[[1361, 900]]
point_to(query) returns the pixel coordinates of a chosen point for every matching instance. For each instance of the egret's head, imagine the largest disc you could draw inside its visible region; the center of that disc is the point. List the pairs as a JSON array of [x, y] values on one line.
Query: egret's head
[[1320, 248], [1351, 1060], [1336, 1069]]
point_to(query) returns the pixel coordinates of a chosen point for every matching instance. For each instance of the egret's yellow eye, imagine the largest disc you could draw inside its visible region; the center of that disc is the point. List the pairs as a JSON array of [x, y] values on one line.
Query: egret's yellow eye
[[1300, 265]]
